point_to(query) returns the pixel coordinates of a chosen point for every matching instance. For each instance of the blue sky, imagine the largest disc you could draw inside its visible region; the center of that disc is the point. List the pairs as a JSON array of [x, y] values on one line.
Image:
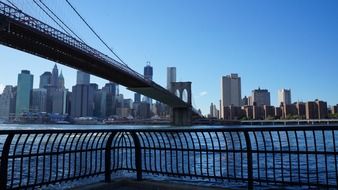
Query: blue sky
[[271, 44]]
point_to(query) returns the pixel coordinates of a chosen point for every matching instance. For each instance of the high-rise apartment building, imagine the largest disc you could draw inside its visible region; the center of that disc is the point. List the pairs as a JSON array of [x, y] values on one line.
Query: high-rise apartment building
[[231, 92], [284, 96], [82, 78], [171, 76], [24, 87], [261, 97]]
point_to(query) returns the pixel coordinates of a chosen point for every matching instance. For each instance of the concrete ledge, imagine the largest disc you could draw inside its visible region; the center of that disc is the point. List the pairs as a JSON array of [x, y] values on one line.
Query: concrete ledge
[[126, 184]]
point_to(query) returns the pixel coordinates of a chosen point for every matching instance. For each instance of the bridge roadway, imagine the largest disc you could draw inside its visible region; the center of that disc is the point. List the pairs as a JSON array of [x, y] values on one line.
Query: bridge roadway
[[25, 33]]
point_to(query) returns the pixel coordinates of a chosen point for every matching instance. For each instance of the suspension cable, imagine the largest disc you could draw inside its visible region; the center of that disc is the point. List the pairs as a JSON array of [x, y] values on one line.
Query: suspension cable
[[95, 32], [51, 17], [60, 20], [13, 5]]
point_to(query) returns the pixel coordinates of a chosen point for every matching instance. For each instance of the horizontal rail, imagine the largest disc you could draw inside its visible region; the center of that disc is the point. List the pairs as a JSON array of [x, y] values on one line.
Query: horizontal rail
[[290, 155]]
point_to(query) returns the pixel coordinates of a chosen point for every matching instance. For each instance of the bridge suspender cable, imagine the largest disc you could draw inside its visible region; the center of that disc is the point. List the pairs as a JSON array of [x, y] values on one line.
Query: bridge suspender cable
[[95, 33], [60, 20], [13, 5], [51, 17]]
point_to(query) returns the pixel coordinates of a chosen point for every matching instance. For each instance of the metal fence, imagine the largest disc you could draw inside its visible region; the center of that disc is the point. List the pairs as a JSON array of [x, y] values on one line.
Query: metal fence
[[300, 156]]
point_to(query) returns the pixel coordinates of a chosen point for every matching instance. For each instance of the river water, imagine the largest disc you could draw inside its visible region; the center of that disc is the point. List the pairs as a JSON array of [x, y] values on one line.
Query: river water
[[269, 166]]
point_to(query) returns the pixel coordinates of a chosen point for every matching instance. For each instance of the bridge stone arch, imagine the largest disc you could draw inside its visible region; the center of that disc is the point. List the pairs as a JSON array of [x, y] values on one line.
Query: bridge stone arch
[[182, 116], [180, 87]]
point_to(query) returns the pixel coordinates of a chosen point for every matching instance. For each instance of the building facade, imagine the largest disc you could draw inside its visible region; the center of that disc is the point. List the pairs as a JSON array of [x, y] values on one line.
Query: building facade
[[82, 78], [24, 88], [284, 96], [230, 92], [171, 77], [39, 100], [7, 101], [261, 97]]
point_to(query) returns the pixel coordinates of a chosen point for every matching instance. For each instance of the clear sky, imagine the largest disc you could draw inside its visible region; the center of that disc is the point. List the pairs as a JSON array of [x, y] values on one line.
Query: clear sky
[[271, 44]]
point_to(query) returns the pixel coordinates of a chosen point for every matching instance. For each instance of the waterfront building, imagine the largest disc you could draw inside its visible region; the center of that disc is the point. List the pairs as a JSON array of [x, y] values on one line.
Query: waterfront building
[[39, 100], [250, 101], [137, 97], [311, 110], [233, 113], [82, 78], [59, 101], [301, 111], [278, 113], [289, 110], [258, 112], [214, 113], [322, 109], [144, 111], [245, 101], [112, 88], [230, 92], [171, 77], [55, 76], [45, 79], [148, 74], [334, 109], [23, 96], [83, 100], [284, 96], [261, 97], [248, 111], [7, 100], [51, 90], [269, 112]]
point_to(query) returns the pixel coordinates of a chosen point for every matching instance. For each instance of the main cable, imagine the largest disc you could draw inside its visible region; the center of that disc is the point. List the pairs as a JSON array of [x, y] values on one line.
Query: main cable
[[95, 32], [60, 20], [13, 5], [51, 17]]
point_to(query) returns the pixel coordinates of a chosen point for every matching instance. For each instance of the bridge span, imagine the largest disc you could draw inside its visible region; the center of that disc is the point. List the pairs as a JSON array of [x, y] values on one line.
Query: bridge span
[[21, 31]]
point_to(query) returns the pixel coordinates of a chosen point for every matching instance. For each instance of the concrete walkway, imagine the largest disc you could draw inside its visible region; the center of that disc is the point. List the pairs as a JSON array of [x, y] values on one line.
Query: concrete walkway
[[144, 185]]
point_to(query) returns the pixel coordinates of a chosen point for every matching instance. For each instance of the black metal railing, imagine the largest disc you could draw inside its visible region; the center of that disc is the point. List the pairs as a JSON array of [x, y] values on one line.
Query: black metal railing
[[300, 156]]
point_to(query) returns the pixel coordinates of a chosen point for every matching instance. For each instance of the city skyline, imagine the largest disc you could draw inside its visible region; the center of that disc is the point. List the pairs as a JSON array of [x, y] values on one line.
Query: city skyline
[[288, 55]]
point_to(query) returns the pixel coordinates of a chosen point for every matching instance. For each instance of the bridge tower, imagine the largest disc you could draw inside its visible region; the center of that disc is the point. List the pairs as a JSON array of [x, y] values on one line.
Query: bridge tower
[[182, 116]]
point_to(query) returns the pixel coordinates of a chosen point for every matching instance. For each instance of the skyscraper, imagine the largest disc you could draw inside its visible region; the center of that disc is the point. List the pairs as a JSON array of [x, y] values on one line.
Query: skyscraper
[[45, 79], [6, 101], [83, 100], [61, 81], [148, 74], [261, 97], [231, 91], [137, 97], [171, 76], [284, 96], [55, 76], [148, 71], [82, 78], [25, 85], [39, 100]]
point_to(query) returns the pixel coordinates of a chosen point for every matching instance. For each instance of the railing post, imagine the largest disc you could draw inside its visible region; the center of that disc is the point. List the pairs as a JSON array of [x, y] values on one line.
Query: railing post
[[138, 157], [4, 161], [108, 157], [249, 159]]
